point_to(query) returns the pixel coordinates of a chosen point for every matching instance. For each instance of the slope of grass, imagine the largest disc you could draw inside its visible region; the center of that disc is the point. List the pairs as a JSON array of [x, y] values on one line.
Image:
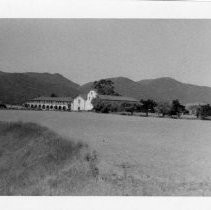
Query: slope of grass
[[135, 155], [37, 161]]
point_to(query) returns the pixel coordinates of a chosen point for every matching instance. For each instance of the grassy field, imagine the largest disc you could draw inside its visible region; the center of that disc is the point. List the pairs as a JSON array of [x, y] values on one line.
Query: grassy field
[[37, 161], [136, 155]]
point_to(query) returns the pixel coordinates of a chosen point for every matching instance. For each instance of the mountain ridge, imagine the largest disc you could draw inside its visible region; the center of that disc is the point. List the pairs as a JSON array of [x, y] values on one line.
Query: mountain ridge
[[16, 88], [159, 89]]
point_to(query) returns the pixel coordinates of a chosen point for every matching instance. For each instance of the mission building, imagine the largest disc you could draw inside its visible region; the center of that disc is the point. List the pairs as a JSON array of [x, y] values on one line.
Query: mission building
[[82, 102]]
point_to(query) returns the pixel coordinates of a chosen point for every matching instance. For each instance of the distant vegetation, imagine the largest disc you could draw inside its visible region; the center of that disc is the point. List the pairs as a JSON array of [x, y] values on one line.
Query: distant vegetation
[[148, 106], [2, 106], [203, 111], [164, 108], [105, 87], [53, 95]]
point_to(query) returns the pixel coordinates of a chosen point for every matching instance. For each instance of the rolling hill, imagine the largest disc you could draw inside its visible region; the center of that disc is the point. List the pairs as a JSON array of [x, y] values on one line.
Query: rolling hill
[[160, 89], [123, 86], [16, 88], [168, 88]]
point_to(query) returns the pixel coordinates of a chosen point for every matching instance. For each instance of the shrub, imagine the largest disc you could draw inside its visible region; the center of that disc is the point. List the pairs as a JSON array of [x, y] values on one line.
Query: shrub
[[203, 111], [176, 108], [148, 105], [163, 108], [107, 106], [167, 108], [3, 106]]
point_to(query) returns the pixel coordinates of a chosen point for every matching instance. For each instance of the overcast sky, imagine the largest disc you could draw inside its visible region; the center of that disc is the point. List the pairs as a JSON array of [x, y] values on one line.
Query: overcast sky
[[84, 50]]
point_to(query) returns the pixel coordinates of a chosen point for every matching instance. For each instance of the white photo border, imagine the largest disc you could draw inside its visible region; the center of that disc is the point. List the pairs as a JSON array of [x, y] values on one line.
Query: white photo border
[[104, 9]]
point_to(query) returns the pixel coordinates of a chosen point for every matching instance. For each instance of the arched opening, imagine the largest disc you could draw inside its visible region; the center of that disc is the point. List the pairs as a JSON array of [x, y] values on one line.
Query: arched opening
[[64, 108], [40, 106], [51, 107], [55, 107], [32, 106], [60, 107], [47, 107], [43, 106], [35, 106], [3, 106]]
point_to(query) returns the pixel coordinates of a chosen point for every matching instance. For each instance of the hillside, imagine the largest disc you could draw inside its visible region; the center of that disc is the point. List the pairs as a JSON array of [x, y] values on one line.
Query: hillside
[[168, 88], [164, 88], [16, 88], [36, 161], [123, 86]]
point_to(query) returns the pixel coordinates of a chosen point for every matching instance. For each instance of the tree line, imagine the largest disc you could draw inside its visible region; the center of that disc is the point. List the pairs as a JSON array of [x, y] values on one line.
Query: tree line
[[163, 108]]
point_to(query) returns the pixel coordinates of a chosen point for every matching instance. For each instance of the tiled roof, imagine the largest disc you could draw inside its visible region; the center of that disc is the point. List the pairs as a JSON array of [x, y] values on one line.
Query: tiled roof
[[84, 96], [43, 98], [117, 98], [196, 104]]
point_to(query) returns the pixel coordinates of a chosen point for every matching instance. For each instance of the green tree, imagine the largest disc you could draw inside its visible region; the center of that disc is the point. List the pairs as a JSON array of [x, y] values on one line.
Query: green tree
[[97, 104], [148, 106], [53, 95], [163, 108], [176, 108], [203, 111], [132, 108], [105, 87], [101, 106], [115, 107]]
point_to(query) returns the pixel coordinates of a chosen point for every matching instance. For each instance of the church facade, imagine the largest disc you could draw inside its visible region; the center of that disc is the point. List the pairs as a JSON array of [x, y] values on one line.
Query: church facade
[[83, 102]]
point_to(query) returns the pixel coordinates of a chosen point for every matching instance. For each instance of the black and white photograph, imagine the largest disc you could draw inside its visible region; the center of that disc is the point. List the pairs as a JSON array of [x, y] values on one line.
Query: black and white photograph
[[100, 107], [105, 107]]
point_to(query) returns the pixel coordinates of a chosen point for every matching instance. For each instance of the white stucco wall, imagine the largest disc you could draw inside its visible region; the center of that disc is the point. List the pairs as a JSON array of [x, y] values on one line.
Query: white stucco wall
[[49, 104], [78, 104], [92, 94]]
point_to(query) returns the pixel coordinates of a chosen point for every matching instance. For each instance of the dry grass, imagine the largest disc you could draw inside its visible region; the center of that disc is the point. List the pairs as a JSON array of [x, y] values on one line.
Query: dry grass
[[135, 155], [37, 161]]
